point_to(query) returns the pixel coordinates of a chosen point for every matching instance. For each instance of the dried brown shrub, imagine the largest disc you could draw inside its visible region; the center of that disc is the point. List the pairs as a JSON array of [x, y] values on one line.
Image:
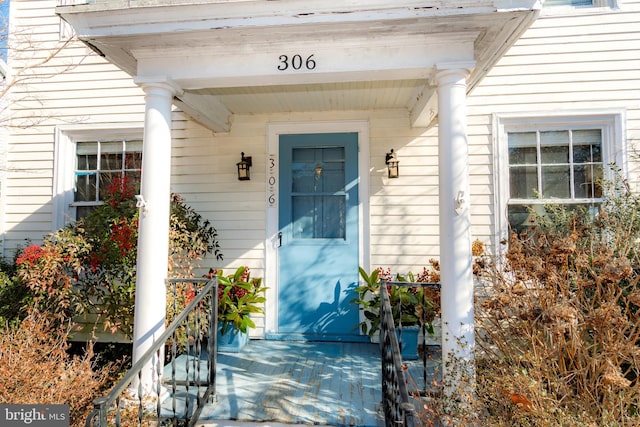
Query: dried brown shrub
[[559, 330], [35, 368]]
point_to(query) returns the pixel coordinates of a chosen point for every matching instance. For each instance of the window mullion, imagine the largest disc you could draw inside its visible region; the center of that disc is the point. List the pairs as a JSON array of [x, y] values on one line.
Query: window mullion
[[594, 166], [98, 171], [572, 187], [539, 163], [123, 166]]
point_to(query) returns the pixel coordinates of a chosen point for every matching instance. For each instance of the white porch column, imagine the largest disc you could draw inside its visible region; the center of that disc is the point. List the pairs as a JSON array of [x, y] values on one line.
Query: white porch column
[[153, 234], [456, 269]]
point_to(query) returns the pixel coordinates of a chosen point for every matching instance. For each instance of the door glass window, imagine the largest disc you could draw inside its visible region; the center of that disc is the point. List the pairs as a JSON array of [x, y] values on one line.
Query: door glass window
[[318, 196]]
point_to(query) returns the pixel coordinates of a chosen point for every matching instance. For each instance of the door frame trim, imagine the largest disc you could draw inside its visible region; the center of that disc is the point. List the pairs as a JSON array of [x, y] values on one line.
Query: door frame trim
[[274, 130]]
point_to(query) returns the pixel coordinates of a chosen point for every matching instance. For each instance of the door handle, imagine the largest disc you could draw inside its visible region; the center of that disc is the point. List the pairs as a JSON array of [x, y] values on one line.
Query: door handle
[[280, 239]]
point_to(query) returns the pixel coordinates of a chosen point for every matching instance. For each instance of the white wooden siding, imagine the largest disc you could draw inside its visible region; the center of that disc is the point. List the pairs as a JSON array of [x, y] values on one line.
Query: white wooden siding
[[579, 60], [77, 87], [575, 61]]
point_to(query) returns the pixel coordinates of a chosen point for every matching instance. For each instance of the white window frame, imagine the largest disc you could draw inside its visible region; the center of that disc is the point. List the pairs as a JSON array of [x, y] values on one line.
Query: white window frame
[[596, 7], [66, 138], [612, 123]]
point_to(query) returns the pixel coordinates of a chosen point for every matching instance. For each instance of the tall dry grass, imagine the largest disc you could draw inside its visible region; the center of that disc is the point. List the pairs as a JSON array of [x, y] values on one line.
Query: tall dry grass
[[36, 368]]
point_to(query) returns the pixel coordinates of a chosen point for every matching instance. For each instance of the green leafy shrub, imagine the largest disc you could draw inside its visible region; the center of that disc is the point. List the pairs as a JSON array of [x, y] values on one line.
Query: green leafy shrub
[[239, 296], [409, 305], [13, 297]]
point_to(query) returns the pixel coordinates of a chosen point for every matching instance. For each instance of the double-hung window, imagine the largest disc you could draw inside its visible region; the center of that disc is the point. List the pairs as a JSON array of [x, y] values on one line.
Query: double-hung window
[[87, 162], [554, 160], [99, 164], [553, 166]]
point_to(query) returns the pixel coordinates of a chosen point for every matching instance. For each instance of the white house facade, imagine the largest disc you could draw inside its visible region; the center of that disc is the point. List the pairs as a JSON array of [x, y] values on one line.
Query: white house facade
[[486, 105]]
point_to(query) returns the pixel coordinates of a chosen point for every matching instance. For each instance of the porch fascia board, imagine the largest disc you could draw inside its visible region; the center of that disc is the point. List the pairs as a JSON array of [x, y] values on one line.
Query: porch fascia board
[[387, 57], [127, 17]]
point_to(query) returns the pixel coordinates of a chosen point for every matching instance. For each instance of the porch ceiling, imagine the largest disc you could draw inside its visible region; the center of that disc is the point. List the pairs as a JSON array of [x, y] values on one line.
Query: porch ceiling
[[368, 54]]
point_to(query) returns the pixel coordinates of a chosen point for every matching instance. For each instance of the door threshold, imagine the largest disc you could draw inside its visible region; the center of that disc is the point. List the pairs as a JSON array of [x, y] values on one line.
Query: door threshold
[[316, 337]]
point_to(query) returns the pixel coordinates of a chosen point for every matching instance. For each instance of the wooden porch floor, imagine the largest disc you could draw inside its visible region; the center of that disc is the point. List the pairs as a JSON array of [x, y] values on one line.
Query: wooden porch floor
[[293, 382]]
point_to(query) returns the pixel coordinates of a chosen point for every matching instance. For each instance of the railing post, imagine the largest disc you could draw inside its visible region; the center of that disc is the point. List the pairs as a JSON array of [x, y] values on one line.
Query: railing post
[[100, 407], [213, 339]]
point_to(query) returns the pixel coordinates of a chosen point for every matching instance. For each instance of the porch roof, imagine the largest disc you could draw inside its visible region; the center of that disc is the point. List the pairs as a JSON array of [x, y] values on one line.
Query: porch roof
[[227, 56]]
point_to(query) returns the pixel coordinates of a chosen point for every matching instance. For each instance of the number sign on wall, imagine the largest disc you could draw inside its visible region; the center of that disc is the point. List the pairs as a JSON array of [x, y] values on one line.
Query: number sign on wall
[[271, 181], [296, 62]]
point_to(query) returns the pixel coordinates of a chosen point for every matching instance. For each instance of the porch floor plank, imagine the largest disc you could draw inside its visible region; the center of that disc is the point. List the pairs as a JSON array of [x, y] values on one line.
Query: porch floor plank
[[295, 382]]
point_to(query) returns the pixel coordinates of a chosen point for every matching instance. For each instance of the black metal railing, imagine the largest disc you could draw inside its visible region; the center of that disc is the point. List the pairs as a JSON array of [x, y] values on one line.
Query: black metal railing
[[397, 407], [399, 390], [182, 361]]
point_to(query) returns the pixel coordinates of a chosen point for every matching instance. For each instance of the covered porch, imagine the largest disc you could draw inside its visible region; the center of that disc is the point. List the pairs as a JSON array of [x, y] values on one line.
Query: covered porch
[[193, 381], [234, 63]]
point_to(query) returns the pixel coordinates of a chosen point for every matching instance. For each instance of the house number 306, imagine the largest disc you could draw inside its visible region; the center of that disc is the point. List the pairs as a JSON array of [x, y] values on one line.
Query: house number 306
[[296, 62]]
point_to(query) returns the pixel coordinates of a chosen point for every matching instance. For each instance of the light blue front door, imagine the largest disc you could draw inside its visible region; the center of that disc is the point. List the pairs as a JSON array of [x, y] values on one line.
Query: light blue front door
[[318, 222]]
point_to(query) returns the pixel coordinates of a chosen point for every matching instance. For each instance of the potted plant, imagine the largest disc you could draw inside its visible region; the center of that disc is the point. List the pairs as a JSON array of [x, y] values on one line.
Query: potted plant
[[239, 296], [412, 307]]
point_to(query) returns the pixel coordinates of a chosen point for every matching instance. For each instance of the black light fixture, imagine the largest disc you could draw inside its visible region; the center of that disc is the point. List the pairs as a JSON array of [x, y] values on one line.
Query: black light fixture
[[244, 165], [392, 164]]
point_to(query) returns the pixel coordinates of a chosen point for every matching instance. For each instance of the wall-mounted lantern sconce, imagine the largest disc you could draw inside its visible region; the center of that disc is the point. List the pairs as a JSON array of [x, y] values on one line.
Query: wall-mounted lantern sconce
[[392, 164], [244, 165], [318, 171]]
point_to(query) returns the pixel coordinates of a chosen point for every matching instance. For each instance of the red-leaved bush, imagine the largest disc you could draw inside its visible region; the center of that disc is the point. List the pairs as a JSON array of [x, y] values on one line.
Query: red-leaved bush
[[89, 267]]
